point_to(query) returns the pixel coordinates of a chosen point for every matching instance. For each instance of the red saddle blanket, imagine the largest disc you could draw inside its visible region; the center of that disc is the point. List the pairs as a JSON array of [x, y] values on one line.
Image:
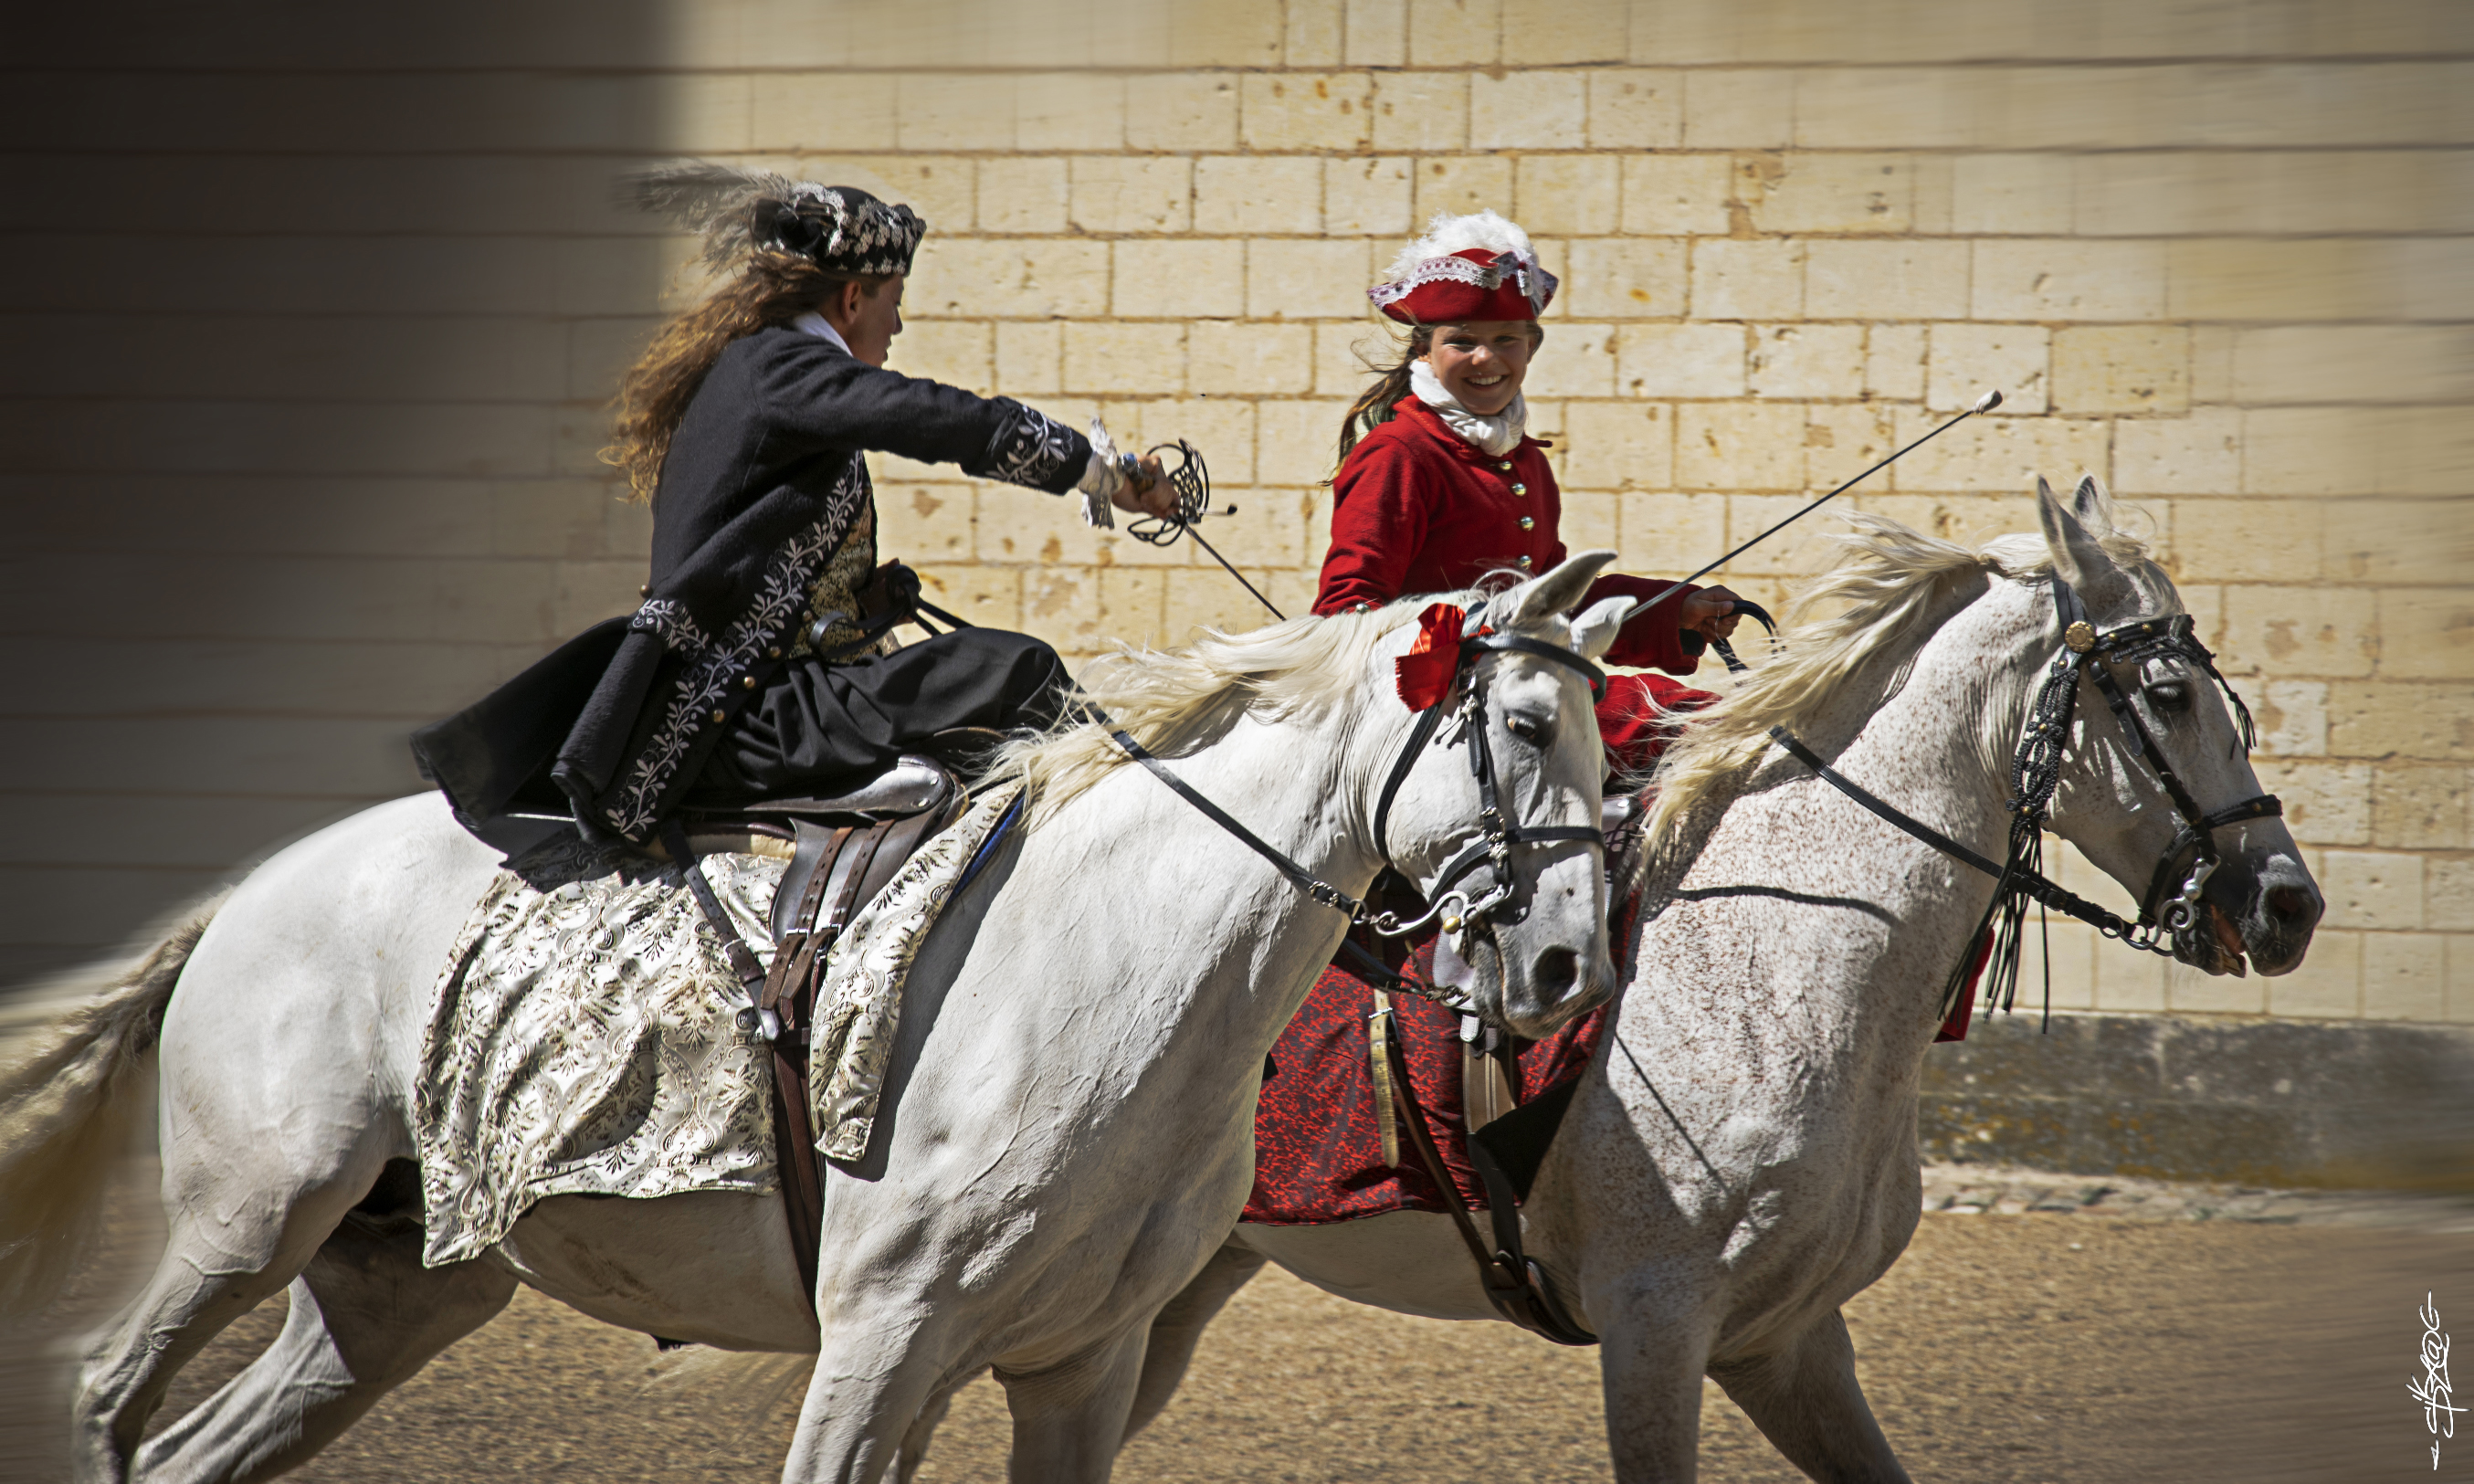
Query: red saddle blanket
[[1318, 1143]]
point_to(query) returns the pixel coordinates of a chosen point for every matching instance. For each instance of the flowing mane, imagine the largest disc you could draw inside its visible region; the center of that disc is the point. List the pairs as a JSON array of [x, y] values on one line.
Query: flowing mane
[[1171, 701], [1881, 598]]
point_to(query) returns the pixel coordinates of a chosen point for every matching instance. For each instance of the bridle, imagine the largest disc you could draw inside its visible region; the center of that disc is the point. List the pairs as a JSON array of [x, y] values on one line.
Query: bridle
[[1492, 847], [1459, 910], [2193, 852], [2168, 918]]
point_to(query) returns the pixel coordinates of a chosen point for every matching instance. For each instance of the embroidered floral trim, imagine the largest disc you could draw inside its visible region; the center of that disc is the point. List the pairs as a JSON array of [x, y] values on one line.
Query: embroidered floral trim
[[1031, 447], [664, 616], [1537, 284], [712, 670], [847, 229]]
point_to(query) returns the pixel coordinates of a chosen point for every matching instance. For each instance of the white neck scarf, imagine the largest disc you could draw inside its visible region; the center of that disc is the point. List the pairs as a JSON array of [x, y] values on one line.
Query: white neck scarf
[[822, 329], [1497, 435]]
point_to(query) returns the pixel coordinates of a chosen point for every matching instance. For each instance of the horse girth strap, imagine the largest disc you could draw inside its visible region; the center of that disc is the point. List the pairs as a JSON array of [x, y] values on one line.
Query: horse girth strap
[[1515, 1285], [839, 865]]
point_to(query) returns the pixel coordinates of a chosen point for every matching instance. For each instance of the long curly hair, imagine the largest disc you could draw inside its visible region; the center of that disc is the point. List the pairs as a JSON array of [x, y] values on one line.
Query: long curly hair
[[761, 228], [772, 288]]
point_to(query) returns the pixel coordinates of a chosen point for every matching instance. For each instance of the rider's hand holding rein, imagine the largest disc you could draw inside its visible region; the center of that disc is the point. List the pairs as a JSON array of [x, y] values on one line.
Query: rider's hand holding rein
[[1711, 612]]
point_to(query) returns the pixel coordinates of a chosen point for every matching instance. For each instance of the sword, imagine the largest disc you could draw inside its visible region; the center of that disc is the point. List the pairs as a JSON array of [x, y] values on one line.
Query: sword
[[1192, 482], [1984, 404]]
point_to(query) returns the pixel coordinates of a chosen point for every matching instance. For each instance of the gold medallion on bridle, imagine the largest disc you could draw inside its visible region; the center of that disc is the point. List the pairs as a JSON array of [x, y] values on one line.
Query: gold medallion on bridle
[[2080, 637]]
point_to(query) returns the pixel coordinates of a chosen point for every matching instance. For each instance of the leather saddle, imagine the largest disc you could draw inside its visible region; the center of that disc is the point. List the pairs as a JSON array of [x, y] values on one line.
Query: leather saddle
[[842, 849]]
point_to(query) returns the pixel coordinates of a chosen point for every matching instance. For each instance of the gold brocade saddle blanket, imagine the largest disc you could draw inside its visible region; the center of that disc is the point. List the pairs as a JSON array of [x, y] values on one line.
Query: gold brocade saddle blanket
[[589, 1036]]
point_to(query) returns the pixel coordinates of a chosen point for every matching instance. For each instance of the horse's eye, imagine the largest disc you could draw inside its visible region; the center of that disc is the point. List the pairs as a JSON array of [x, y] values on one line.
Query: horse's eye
[[1536, 730], [2170, 695]]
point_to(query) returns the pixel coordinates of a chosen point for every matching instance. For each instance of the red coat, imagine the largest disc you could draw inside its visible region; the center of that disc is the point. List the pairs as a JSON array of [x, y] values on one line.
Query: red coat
[[1416, 508]]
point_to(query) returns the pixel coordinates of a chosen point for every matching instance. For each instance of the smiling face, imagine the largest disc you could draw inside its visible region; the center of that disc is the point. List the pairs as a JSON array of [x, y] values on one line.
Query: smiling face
[[1483, 362]]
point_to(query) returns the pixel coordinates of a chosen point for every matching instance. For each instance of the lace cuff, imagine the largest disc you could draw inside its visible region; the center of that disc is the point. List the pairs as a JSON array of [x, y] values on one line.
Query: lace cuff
[[1102, 478]]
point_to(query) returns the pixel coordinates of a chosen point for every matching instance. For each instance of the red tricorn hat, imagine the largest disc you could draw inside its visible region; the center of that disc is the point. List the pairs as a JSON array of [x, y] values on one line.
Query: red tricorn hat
[[1477, 267]]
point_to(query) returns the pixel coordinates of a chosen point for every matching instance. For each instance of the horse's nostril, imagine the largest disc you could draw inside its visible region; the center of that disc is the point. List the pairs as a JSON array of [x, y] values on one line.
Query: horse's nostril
[[2293, 906], [1556, 972]]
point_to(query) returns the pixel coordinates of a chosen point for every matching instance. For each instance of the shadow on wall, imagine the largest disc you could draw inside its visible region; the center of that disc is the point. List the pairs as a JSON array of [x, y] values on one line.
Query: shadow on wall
[[310, 317]]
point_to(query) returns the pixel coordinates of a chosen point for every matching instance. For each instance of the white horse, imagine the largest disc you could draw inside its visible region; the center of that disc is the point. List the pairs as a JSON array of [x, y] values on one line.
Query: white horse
[[1740, 1159], [1068, 1125]]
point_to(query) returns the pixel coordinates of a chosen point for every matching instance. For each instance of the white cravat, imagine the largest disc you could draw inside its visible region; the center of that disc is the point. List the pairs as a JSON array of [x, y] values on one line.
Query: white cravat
[[1497, 435], [822, 329]]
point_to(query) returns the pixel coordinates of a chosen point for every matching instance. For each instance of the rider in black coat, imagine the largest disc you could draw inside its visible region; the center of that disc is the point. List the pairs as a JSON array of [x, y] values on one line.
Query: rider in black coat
[[747, 673]]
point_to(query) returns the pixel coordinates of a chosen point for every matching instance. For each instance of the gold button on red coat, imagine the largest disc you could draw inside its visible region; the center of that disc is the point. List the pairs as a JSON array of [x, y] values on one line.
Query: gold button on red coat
[[1520, 488], [1527, 523], [1503, 463], [1525, 563]]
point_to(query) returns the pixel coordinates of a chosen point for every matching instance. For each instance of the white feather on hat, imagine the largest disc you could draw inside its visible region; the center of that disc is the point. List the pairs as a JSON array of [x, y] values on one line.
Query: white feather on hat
[[1447, 234]]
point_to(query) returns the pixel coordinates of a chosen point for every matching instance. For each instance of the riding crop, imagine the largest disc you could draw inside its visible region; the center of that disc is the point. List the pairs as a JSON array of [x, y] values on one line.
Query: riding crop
[[1984, 404]]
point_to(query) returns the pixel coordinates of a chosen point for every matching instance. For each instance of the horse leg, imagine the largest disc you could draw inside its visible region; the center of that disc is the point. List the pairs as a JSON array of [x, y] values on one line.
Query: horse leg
[[1179, 1325], [1070, 1419], [922, 1432], [1805, 1399], [229, 1250], [1650, 1367], [365, 1316]]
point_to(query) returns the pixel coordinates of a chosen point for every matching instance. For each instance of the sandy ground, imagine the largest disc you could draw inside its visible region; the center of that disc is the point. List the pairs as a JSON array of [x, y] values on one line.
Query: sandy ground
[[2022, 1348]]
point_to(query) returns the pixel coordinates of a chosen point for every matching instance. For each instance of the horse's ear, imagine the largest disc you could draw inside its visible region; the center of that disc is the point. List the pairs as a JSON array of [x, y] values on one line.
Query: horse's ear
[[2078, 559], [2089, 505], [1540, 598], [1594, 633]]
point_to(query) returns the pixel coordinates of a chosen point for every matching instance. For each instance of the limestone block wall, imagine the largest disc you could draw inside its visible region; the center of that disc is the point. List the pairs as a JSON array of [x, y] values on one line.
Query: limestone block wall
[[2216, 255], [305, 327]]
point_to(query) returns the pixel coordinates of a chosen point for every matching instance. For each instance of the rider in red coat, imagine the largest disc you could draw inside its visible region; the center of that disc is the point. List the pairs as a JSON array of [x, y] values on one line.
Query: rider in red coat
[[1440, 484]]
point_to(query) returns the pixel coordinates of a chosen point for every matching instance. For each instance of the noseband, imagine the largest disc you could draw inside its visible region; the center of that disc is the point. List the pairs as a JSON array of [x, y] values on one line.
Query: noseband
[[1457, 910], [2169, 919], [2193, 852]]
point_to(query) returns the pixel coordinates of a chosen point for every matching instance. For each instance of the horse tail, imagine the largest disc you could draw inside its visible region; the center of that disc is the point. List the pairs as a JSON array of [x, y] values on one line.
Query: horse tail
[[68, 1103]]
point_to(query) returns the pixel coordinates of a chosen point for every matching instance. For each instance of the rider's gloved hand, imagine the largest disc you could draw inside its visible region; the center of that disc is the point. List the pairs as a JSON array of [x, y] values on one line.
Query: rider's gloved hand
[[1146, 491], [1711, 612]]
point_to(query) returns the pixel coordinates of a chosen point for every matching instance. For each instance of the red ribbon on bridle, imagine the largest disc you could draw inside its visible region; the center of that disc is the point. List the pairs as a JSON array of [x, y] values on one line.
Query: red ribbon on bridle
[[1425, 672]]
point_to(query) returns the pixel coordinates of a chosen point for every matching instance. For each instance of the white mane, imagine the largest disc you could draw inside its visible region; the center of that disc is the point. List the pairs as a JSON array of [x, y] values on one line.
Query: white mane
[[1881, 598], [1170, 701]]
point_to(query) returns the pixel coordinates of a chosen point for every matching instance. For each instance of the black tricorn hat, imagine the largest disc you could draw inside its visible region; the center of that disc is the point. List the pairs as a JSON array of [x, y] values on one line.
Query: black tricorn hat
[[840, 228]]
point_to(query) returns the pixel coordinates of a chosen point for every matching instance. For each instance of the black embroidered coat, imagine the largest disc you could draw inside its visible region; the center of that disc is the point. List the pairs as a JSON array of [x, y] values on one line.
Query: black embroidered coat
[[764, 481]]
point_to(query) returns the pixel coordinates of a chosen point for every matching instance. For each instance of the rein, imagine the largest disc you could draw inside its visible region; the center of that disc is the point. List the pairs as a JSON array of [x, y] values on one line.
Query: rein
[[2036, 772], [1495, 836]]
